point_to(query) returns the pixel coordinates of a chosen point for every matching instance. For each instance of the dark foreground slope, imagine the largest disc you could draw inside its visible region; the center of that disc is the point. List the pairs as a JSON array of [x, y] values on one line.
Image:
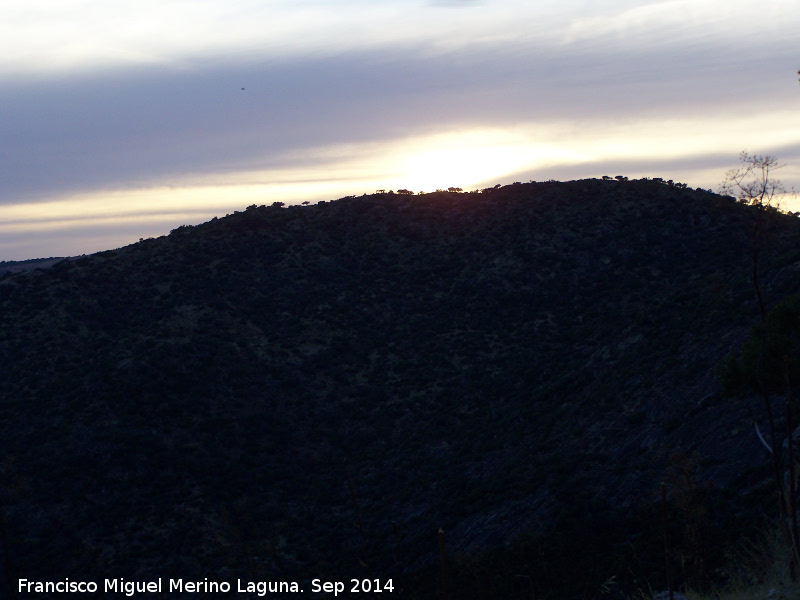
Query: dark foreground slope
[[312, 392]]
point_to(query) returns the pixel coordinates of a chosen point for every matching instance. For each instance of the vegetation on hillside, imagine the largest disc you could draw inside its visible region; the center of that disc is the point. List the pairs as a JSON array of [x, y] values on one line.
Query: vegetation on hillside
[[300, 392]]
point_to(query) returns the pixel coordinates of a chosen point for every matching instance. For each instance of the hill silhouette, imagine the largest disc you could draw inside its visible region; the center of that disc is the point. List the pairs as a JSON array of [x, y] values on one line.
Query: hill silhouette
[[301, 392]]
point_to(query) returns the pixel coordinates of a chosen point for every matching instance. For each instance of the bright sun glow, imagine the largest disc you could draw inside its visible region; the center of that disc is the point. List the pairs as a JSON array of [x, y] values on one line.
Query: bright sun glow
[[468, 159]]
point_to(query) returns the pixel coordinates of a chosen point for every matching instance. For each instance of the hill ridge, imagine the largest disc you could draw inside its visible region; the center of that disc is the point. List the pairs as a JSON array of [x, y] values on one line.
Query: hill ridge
[[486, 363]]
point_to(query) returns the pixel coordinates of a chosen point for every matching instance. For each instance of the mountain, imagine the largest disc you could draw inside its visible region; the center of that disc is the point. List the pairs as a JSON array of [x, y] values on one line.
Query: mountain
[[312, 392]]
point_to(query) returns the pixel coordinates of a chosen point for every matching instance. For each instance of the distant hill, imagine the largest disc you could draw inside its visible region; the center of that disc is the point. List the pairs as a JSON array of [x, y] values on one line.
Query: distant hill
[[18, 266], [301, 392]]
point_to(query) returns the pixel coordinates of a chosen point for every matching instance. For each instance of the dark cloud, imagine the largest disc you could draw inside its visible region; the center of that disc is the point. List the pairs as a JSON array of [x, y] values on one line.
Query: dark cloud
[[636, 168], [156, 125], [692, 170]]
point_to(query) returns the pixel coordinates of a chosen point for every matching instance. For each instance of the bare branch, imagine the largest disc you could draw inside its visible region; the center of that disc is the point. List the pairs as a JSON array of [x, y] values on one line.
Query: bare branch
[[751, 183]]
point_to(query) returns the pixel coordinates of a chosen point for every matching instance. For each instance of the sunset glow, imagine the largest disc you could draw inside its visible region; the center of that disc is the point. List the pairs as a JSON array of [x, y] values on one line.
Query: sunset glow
[[124, 122]]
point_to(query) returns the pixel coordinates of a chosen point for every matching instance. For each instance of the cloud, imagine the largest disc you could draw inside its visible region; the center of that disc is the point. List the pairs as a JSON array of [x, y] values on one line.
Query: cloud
[[159, 125], [619, 87]]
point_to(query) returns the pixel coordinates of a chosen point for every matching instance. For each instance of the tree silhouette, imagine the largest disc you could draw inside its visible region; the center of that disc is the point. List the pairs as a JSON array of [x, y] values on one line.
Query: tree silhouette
[[751, 183]]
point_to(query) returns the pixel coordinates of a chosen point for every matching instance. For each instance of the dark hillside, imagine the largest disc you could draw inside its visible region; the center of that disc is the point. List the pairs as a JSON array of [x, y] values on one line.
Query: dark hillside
[[501, 365]]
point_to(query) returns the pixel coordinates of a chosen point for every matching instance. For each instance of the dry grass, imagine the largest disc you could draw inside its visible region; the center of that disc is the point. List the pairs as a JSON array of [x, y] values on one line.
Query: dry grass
[[761, 572], [767, 591]]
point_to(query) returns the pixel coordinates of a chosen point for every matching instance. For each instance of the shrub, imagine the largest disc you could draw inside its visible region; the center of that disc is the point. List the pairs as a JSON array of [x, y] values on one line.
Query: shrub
[[782, 339]]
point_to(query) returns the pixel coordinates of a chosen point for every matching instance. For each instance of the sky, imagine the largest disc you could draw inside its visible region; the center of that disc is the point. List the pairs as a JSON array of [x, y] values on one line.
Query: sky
[[122, 120]]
